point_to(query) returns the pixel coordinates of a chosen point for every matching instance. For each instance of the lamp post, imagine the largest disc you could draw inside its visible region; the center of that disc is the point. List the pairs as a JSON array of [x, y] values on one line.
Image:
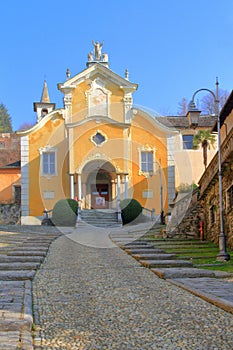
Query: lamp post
[[162, 217], [194, 112]]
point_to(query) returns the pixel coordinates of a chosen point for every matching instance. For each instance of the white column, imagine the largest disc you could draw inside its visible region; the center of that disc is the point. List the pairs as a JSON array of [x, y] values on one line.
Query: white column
[[79, 187], [118, 187], [24, 179], [72, 186], [126, 186], [118, 198]]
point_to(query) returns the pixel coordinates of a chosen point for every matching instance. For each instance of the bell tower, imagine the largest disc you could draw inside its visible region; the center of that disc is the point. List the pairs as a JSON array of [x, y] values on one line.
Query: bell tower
[[43, 107]]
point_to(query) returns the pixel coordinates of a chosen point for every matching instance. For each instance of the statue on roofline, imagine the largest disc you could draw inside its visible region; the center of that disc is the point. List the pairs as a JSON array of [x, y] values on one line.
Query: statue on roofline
[[97, 49]]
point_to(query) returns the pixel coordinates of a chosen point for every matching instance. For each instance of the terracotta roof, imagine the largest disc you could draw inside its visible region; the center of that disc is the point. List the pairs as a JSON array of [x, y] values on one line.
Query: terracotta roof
[[9, 149], [205, 121]]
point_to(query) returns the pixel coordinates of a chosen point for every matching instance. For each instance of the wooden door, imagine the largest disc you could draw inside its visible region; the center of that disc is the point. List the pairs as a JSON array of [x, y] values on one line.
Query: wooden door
[[100, 196]]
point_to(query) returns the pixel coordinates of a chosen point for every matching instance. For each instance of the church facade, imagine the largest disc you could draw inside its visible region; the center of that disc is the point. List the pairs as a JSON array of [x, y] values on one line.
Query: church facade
[[98, 149]]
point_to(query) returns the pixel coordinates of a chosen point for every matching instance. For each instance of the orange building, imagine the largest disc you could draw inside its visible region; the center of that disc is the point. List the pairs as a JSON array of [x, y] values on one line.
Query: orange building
[[10, 173], [98, 149]]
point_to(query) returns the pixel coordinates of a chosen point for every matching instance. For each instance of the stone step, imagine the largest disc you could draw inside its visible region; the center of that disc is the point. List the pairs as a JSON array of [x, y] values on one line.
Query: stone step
[[181, 243], [166, 263], [13, 266], [30, 249], [139, 243], [145, 251], [136, 246], [21, 275], [182, 272], [171, 246], [100, 223], [100, 218], [26, 253], [154, 256], [11, 258], [96, 219]]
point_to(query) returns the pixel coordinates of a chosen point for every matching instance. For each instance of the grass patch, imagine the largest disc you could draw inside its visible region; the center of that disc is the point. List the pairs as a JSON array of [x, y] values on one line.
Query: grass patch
[[200, 252]]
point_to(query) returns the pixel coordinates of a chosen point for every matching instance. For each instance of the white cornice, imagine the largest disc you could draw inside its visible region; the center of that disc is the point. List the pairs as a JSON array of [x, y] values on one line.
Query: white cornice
[[103, 71], [98, 119], [154, 121], [42, 122]]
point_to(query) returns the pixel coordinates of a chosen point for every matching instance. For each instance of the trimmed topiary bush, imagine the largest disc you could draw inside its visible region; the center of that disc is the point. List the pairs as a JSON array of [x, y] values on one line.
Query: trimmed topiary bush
[[65, 212], [130, 210]]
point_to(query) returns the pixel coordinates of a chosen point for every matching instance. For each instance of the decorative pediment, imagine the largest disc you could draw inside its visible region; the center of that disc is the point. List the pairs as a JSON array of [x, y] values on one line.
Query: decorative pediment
[[103, 73], [98, 99]]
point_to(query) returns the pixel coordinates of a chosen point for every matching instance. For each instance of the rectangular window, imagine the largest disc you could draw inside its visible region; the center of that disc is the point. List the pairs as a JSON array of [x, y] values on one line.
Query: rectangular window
[[147, 194], [188, 141], [17, 194], [49, 195], [212, 214], [230, 198], [147, 162], [49, 163]]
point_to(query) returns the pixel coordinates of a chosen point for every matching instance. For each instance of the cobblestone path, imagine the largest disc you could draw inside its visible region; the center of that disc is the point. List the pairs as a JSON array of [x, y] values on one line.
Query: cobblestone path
[[95, 298]]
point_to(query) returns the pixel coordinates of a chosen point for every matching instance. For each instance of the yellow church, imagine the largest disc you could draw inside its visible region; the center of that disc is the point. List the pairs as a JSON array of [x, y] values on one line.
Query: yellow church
[[98, 149]]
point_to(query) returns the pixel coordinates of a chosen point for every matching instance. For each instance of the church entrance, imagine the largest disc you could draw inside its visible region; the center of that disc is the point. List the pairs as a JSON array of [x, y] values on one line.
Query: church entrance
[[100, 196], [99, 185]]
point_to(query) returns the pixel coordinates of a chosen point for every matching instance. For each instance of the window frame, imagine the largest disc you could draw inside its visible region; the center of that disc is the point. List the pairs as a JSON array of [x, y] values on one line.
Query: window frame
[[212, 214], [229, 198], [147, 162], [184, 143], [147, 150], [47, 151]]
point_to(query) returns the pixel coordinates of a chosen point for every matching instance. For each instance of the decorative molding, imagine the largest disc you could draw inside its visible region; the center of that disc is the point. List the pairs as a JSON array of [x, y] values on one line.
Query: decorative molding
[[100, 133], [97, 156], [128, 103], [147, 148], [98, 99], [99, 69], [68, 104], [47, 149]]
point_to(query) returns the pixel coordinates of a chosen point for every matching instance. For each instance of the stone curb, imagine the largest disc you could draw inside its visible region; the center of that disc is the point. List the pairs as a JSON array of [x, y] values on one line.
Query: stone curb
[[219, 302]]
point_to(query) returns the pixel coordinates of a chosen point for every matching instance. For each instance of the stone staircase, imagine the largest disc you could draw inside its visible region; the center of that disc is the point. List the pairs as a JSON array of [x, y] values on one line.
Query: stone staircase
[[152, 254], [100, 217]]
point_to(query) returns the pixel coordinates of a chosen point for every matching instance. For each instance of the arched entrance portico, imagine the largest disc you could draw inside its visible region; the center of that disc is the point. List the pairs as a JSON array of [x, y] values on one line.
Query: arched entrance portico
[[99, 185]]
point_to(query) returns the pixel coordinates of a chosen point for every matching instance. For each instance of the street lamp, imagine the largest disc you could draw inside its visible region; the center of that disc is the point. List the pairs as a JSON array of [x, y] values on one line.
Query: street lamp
[[162, 217], [222, 255]]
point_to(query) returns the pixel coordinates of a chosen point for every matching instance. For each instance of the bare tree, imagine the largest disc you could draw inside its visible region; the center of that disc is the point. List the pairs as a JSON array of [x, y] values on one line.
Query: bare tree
[[26, 126], [207, 105], [183, 107]]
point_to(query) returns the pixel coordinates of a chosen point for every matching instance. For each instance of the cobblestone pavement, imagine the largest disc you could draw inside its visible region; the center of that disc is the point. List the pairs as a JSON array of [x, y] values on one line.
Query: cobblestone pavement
[[22, 250], [87, 297]]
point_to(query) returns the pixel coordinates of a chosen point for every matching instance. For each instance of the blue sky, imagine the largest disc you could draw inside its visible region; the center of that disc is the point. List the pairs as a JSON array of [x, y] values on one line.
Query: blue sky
[[171, 48]]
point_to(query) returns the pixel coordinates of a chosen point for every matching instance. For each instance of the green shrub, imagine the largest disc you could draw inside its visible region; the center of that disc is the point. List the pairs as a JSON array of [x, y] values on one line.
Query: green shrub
[[65, 212], [130, 210]]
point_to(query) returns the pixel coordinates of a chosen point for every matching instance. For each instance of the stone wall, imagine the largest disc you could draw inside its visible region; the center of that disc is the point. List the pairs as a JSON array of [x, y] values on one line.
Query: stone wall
[[210, 199], [9, 214], [186, 215]]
